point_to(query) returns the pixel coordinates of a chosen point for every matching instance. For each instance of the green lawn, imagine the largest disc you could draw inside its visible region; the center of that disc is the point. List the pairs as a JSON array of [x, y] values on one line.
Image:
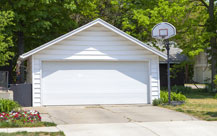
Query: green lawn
[[20, 124], [199, 104], [33, 134]]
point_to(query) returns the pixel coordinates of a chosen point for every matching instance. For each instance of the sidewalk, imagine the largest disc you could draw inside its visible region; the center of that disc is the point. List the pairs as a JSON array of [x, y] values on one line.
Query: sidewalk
[[172, 128], [169, 128]]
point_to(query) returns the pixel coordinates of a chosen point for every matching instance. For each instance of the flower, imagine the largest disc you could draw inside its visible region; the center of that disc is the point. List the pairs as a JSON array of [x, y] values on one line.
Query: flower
[[24, 116]]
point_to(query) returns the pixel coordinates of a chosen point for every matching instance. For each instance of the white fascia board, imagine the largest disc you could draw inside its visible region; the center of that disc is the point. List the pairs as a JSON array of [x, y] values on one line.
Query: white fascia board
[[100, 21]]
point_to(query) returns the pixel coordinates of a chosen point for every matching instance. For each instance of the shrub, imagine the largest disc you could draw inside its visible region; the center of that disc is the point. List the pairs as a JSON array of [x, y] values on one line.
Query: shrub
[[157, 102], [174, 96], [8, 105], [178, 97], [208, 87], [164, 96], [215, 80], [181, 89], [215, 97]]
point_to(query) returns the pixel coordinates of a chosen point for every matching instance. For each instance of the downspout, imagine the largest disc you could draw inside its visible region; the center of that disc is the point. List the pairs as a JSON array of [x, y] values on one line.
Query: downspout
[[18, 65]]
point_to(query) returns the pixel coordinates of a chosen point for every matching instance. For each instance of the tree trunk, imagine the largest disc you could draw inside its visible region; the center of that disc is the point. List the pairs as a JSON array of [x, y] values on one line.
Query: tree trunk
[[212, 29], [21, 51], [186, 73], [213, 60]]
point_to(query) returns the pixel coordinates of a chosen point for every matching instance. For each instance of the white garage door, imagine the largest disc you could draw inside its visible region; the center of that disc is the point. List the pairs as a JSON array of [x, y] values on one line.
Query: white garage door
[[74, 83]]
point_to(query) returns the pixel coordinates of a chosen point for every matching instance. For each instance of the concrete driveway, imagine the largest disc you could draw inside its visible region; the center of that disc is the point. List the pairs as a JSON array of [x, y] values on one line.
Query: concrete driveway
[[124, 120], [109, 114]]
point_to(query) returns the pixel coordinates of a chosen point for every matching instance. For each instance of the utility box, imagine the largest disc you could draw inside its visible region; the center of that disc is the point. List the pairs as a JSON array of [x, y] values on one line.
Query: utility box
[[22, 94]]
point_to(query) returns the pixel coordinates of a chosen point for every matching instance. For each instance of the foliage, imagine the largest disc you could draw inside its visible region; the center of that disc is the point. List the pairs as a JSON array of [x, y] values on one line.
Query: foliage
[[44, 20], [208, 87], [8, 105], [22, 119], [23, 116], [200, 106], [157, 102], [199, 93], [164, 96], [181, 89], [215, 81], [24, 133], [215, 97], [37, 22], [6, 18], [19, 123], [185, 15], [174, 96]]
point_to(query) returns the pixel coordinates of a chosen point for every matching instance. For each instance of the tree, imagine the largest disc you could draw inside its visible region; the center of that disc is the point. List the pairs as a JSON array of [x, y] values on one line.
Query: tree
[[211, 27], [37, 22], [6, 18], [188, 17]]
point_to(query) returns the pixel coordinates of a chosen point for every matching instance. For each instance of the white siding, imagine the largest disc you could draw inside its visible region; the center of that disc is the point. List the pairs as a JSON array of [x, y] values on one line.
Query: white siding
[[155, 78], [96, 42], [99, 44], [36, 84]]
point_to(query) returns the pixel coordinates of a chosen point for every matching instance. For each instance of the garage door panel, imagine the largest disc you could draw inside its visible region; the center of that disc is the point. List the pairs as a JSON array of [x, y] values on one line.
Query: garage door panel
[[95, 91], [94, 98], [68, 83]]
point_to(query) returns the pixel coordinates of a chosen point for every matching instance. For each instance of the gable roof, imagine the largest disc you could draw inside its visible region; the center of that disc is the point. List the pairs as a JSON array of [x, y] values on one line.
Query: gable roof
[[97, 21]]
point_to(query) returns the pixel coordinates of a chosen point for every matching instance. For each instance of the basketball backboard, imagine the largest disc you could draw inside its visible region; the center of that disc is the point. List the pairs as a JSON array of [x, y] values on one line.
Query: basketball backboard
[[163, 30]]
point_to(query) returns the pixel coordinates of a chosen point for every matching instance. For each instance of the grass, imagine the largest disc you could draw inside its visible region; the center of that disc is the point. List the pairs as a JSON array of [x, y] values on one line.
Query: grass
[[202, 105], [33, 134], [19, 124]]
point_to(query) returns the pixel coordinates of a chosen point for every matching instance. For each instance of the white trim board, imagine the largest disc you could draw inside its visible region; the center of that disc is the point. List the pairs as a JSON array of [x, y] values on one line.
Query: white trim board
[[97, 21]]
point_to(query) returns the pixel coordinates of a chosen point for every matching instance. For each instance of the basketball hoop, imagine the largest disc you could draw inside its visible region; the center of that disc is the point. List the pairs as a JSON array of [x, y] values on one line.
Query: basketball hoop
[[161, 32], [160, 42]]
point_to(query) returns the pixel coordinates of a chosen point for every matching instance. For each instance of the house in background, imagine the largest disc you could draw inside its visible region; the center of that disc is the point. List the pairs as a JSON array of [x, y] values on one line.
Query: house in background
[[175, 58], [202, 72], [94, 64]]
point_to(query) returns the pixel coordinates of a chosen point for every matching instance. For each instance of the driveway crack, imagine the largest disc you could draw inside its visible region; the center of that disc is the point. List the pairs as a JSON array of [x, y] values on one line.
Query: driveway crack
[[52, 118], [147, 128], [127, 118]]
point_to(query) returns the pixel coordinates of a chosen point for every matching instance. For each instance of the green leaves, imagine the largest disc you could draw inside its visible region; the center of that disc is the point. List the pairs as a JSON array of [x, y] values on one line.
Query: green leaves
[[43, 20], [8, 105], [6, 18], [184, 15]]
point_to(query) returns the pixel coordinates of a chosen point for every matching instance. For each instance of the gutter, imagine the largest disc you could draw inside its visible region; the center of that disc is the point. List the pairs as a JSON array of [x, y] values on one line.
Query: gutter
[[19, 62]]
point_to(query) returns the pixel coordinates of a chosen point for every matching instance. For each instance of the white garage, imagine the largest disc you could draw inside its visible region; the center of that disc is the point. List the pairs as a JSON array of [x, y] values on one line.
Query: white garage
[[94, 64]]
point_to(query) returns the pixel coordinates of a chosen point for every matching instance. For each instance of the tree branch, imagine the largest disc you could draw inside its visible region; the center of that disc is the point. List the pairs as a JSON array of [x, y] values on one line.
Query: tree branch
[[204, 3]]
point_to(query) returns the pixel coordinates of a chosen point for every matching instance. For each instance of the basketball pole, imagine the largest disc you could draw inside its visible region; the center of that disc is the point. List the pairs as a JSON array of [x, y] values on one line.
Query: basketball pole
[[163, 31], [167, 44]]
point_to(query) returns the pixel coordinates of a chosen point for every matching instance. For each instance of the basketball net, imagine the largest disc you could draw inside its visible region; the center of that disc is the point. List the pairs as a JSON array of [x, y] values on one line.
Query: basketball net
[[160, 42]]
